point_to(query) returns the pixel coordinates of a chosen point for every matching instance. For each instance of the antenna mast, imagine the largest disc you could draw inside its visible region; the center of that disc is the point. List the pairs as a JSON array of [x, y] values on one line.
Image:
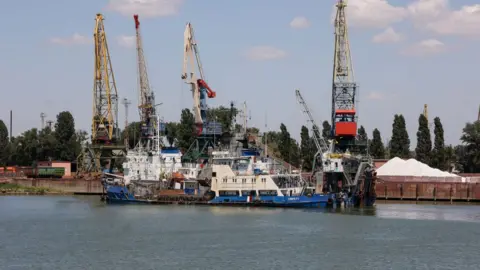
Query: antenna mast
[[42, 117], [126, 103]]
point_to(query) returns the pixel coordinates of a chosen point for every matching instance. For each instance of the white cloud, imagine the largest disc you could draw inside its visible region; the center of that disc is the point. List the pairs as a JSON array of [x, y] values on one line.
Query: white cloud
[[387, 36], [146, 8], [76, 39], [373, 13], [127, 41], [299, 23], [426, 47], [265, 53], [375, 96], [436, 16]]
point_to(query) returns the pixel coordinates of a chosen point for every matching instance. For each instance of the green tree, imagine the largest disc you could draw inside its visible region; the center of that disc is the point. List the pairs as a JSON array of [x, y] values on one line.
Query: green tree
[[362, 140], [223, 115], [171, 129], [451, 161], [64, 134], [307, 149], [27, 148], [294, 153], [377, 149], [471, 139], [4, 143], [48, 143], [134, 133], [439, 152], [400, 142], [284, 143], [186, 130], [326, 130], [423, 151], [362, 134]]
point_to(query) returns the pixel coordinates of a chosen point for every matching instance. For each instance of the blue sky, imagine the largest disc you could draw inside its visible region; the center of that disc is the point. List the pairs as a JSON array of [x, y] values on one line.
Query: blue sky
[[405, 54]]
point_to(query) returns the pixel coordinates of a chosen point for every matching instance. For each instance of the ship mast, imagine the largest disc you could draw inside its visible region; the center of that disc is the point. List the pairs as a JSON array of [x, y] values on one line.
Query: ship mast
[[344, 87], [146, 98]]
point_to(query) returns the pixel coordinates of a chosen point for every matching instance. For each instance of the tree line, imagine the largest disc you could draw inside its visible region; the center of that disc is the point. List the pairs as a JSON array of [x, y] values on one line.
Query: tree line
[[65, 143], [62, 143]]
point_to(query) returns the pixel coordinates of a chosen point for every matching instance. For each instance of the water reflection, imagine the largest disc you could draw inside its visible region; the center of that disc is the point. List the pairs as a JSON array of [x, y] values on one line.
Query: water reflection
[[467, 213]]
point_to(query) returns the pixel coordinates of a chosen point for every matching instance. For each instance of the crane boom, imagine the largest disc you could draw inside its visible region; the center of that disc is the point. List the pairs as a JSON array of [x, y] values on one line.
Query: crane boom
[[105, 95], [146, 98], [320, 143], [199, 87], [344, 88]]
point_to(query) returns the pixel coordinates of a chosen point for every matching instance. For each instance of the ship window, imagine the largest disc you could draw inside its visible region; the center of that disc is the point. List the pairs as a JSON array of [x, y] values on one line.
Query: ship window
[[214, 174], [336, 164], [244, 180]]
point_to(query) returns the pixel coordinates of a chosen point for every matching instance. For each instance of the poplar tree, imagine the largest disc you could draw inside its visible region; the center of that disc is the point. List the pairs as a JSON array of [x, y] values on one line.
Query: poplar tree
[[400, 142], [423, 151], [439, 152], [377, 149]]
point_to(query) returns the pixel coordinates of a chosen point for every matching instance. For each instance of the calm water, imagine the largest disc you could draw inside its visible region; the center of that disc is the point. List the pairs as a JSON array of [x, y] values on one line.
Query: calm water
[[81, 233]]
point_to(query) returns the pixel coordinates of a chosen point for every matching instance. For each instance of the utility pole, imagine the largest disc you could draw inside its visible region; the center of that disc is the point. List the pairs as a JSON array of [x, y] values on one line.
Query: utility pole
[[125, 103], [42, 117]]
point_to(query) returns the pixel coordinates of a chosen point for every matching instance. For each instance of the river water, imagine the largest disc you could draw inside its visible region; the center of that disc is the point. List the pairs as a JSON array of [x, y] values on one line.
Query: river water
[[82, 233]]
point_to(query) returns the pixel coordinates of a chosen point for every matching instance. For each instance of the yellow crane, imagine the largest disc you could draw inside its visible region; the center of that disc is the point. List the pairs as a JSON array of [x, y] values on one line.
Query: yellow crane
[[103, 150], [105, 95]]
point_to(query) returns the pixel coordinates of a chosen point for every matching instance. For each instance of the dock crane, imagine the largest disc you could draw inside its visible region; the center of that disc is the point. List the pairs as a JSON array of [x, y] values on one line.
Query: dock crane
[[344, 169], [105, 147], [199, 87], [146, 97], [344, 88], [205, 129]]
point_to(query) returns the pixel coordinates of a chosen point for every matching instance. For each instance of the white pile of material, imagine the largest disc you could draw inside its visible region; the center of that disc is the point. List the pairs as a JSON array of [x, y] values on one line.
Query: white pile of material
[[412, 167]]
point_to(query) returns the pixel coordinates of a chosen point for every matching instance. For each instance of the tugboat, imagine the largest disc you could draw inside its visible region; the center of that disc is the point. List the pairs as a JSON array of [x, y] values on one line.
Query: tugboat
[[251, 180]]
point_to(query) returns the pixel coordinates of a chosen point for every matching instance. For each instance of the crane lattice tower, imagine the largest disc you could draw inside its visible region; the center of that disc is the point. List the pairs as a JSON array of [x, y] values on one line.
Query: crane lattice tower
[[104, 149], [344, 87], [146, 97]]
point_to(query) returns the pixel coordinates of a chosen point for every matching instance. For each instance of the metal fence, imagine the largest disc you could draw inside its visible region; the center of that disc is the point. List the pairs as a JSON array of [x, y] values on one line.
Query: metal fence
[[430, 179], [408, 190]]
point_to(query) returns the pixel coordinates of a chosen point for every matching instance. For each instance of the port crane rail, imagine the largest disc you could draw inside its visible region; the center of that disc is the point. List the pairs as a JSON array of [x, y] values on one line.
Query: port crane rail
[[104, 148], [146, 97]]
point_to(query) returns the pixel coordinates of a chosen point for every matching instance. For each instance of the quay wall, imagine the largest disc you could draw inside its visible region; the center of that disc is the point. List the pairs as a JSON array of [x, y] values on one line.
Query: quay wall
[[392, 188], [81, 186], [428, 188]]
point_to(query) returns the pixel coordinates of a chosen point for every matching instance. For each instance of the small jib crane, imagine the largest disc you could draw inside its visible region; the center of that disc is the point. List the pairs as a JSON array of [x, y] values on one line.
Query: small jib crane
[[199, 87]]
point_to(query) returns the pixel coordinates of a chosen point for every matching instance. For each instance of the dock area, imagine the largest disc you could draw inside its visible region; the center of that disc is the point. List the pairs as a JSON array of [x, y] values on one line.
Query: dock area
[[387, 190]]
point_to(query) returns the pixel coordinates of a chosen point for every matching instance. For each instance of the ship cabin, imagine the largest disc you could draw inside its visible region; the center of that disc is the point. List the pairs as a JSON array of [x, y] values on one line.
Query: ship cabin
[[245, 178], [172, 158]]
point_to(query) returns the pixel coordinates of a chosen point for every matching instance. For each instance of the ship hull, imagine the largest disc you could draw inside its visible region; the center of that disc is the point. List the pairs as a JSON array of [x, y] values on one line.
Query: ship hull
[[314, 201]]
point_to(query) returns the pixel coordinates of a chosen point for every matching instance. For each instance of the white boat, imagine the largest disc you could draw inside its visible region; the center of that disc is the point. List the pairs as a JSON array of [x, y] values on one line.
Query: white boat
[[250, 179]]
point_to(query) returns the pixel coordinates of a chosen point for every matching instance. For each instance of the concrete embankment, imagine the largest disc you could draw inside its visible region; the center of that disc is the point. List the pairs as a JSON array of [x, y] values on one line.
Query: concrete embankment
[[57, 186]]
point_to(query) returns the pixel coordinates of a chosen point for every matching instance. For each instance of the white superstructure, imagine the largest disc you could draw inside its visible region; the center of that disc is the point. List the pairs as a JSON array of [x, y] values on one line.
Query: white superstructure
[[247, 175]]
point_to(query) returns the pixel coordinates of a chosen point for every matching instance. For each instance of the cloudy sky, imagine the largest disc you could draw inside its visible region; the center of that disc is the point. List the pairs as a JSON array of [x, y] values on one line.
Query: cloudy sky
[[406, 53]]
